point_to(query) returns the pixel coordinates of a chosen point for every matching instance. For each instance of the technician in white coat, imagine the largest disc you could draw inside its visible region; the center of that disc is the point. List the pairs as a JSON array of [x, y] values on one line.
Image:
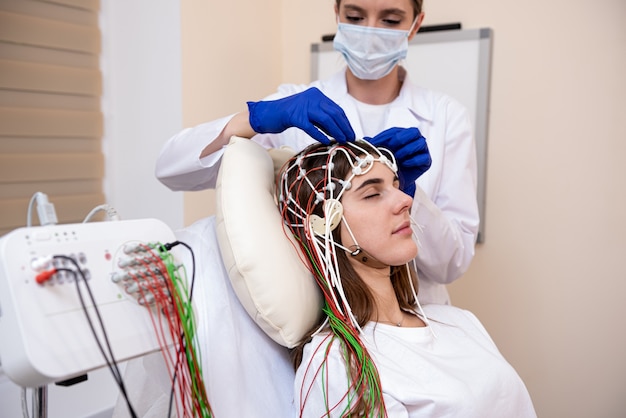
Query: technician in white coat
[[372, 97]]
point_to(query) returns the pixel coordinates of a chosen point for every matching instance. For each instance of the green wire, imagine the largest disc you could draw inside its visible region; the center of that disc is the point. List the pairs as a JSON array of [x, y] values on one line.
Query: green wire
[[184, 307], [368, 381]]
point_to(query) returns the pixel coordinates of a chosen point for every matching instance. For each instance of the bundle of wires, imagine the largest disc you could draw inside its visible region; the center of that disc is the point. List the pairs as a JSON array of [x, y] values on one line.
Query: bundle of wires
[[312, 223], [164, 289], [161, 286]]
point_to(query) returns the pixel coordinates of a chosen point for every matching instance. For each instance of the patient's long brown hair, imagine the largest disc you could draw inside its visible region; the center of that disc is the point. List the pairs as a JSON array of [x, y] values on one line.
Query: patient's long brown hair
[[360, 298]]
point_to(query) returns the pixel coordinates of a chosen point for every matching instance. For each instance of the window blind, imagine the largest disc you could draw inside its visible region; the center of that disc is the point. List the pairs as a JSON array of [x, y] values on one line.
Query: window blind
[[50, 117]]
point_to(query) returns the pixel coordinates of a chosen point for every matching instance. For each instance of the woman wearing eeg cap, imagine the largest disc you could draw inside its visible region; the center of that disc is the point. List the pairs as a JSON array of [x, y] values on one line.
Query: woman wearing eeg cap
[[376, 352], [373, 97]]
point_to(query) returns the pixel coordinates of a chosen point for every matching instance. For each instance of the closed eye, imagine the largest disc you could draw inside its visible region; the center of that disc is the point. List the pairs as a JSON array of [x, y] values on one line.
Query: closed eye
[[354, 19]]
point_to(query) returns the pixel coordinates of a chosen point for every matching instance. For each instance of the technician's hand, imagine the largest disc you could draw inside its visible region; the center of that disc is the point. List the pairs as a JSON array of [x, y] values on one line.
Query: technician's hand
[[310, 111], [411, 152]]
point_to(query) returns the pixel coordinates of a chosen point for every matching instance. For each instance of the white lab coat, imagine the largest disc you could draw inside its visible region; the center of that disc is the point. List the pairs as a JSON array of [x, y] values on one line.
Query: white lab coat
[[445, 202]]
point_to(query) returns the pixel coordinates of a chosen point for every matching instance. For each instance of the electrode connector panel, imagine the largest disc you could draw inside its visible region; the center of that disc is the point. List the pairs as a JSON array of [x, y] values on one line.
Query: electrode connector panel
[[45, 271]]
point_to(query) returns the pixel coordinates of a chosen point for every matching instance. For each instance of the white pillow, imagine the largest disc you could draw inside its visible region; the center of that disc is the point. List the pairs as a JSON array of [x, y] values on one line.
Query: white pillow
[[265, 269]]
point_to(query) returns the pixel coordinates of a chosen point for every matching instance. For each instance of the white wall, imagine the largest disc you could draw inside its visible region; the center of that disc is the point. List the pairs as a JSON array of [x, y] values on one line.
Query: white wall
[[548, 282], [142, 104]]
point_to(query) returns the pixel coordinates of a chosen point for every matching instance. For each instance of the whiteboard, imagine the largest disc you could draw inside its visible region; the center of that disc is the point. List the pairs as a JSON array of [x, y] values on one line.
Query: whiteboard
[[456, 62]]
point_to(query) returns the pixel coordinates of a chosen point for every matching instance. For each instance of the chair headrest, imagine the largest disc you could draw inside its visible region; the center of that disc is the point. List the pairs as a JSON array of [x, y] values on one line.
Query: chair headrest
[[263, 263]]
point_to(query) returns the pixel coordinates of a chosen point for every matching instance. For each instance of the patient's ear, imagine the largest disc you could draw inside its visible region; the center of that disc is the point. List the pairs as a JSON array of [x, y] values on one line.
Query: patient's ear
[[263, 264]]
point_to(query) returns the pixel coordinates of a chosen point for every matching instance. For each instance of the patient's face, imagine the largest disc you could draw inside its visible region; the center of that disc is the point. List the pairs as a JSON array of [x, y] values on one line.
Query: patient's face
[[377, 212]]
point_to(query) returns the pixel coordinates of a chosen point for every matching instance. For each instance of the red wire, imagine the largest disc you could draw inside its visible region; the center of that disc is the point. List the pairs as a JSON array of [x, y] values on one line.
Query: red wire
[[163, 304]]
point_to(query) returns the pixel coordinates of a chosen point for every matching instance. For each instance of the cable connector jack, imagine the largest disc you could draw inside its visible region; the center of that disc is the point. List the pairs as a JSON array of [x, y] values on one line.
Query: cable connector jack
[[41, 263], [171, 245], [45, 210], [111, 213], [44, 276]]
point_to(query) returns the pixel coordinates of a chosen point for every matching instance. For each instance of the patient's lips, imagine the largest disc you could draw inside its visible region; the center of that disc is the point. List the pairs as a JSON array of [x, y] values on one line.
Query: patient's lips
[[403, 229]]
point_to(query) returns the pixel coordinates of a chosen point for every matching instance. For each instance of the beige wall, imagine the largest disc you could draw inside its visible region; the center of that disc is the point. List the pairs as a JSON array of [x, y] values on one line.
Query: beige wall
[[548, 282], [231, 53]]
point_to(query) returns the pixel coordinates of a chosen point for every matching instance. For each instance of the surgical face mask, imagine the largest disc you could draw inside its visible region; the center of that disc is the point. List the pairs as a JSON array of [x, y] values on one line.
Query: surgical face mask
[[371, 53]]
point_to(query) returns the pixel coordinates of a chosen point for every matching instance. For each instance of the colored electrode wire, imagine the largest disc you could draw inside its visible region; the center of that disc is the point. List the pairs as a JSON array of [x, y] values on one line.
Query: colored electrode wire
[[188, 338], [174, 302], [314, 233]]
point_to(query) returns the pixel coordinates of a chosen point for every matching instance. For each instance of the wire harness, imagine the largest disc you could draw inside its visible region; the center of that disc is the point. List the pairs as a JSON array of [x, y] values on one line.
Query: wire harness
[[150, 274]]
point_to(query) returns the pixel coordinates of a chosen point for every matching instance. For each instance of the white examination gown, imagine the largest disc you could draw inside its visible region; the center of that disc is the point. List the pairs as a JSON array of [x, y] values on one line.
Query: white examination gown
[[445, 202], [458, 373]]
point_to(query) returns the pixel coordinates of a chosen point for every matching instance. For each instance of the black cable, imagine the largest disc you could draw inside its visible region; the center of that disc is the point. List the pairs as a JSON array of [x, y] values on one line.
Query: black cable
[[168, 247], [112, 363], [171, 245]]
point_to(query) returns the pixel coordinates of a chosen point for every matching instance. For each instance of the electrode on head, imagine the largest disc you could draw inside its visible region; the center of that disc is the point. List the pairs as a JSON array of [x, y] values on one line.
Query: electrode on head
[[333, 211]]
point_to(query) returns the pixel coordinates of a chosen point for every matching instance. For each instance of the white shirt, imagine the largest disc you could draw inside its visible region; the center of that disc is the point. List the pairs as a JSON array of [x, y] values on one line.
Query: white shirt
[[457, 372], [372, 118], [445, 202]]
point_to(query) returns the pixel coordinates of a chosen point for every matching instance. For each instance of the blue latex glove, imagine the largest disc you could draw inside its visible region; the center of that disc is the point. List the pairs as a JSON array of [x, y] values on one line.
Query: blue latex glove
[[411, 152], [309, 110]]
